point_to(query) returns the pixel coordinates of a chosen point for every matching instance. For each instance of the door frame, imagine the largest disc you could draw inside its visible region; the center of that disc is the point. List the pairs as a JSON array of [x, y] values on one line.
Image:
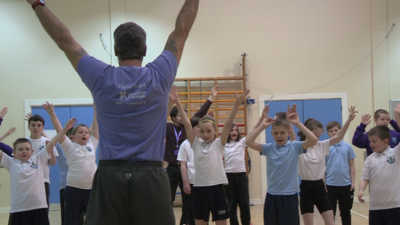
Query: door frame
[[28, 104], [263, 98]]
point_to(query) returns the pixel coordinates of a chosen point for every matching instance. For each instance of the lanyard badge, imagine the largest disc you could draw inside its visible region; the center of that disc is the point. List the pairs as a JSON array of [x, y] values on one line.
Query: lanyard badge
[[177, 135]]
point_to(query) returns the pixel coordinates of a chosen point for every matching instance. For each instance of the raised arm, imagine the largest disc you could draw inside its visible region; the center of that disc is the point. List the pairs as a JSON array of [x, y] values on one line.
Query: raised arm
[[228, 123], [9, 132], [339, 136], [264, 115], [289, 111], [206, 106], [176, 40], [311, 140], [54, 120], [185, 118], [396, 125], [49, 147], [250, 139], [60, 34], [94, 128], [358, 138]]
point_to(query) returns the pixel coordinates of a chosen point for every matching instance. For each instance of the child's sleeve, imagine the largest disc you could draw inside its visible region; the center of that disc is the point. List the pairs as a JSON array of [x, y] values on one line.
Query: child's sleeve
[[182, 154], [325, 145], [91, 71], [395, 126], [6, 162], [6, 149], [359, 139], [298, 146], [44, 156], [94, 142], [66, 145], [203, 110], [266, 149], [221, 148], [365, 173], [196, 144], [243, 142], [351, 154]]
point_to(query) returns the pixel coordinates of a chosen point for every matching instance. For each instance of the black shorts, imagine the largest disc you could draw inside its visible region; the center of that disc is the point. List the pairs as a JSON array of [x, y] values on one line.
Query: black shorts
[[212, 198], [384, 216], [313, 193], [31, 217], [126, 192]]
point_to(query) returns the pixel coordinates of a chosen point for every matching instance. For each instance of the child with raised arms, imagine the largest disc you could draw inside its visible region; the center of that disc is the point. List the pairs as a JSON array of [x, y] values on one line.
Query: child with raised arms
[[28, 197], [381, 118], [382, 173], [312, 171], [340, 174], [210, 177], [81, 160], [237, 190], [281, 202]]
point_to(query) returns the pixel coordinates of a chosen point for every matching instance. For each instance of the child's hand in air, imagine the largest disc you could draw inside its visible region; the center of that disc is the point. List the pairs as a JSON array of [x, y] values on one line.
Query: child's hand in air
[[174, 94], [366, 119], [3, 112]]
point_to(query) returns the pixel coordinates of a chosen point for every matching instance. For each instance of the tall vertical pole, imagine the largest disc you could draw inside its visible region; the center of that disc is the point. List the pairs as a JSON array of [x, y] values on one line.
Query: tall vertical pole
[[246, 157]]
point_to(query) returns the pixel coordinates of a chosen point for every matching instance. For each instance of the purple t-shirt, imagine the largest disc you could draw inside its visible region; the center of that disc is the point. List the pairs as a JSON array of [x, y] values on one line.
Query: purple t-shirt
[[131, 105]]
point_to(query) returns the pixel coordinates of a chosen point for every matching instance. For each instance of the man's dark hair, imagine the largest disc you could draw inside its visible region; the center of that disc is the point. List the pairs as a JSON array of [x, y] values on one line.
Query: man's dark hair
[[195, 121], [35, 118], [173, 113], [130, 41]]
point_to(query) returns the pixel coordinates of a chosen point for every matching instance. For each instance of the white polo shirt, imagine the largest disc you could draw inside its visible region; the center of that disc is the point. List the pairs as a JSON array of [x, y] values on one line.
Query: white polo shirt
[[38, 145], [209, 167], [383, 172], [186, 154], [81, 162], [312, 164], [26, 182], [234, 156]]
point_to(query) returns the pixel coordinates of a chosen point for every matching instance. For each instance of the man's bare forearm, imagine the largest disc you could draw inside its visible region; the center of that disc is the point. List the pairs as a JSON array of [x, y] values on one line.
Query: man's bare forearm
[[53, 26], [187, 15]]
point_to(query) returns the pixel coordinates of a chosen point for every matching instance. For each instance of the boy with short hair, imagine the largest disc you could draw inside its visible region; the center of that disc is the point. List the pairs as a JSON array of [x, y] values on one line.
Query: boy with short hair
[[382, 172], [381, 118], [185, 156], [28, 198], [340, 174], [281, 202], [38, 142]]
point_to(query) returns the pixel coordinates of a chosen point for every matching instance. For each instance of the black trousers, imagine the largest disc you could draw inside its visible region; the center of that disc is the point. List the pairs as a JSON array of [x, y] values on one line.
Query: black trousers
[[345, 197], [237, 192], [47, 190], [62, 206], [76, 202], [31, 217], [126, 192], [189, 203], [175, 180]]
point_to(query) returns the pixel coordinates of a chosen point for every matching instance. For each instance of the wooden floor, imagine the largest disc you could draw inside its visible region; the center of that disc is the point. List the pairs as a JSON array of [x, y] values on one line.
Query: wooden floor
[[359, 216]]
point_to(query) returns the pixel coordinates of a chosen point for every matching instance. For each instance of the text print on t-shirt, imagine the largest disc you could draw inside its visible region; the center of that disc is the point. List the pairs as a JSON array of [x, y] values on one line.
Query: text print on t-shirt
[[128, 94]]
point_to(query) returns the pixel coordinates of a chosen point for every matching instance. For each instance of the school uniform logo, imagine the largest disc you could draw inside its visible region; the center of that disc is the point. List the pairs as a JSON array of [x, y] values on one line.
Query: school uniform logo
[[391, 159], [34, 165], [41, 147], [394, 139], [89, 149]]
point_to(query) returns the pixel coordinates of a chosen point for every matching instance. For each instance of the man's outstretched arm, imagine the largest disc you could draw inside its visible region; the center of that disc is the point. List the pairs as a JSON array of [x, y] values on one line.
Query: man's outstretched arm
[[176, 40], [60, 34]]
